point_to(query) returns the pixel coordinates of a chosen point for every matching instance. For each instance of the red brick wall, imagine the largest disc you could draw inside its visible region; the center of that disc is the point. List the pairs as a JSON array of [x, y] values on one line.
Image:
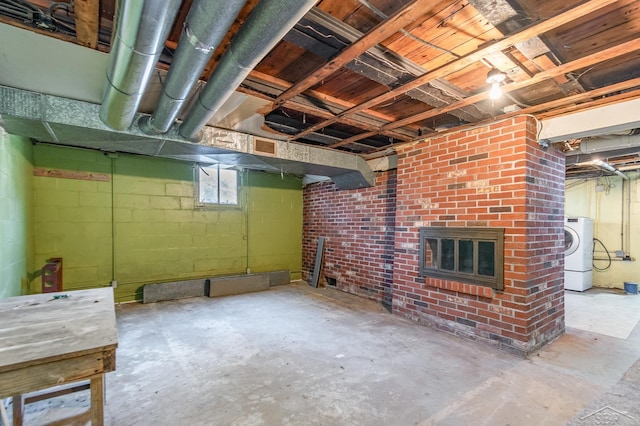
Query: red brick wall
[[358, 226], [495, 176]]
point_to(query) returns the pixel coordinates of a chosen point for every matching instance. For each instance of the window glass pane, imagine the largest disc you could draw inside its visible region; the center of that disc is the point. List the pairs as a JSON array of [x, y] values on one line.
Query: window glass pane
[[465, 256], [448, 254], [208, 185], [431, 253], [228, 186], [486, 258]]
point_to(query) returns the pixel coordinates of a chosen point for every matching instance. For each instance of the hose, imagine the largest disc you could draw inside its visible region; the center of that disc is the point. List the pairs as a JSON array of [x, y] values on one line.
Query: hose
[[595, 240]]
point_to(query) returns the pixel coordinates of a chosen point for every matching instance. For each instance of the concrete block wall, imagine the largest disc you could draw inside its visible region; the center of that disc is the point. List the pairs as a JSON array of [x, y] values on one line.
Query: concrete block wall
[[140, 225], [160, 235], [358, 226], [16, 213], [493, 176], [72, 217], [275, 223]]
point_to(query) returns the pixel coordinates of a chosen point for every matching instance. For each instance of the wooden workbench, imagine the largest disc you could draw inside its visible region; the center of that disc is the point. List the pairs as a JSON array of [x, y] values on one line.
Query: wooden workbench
[[56, 338]]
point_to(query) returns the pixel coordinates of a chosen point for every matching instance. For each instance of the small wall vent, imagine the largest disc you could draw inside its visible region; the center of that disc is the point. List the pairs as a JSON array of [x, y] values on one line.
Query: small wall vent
[[264, 147]]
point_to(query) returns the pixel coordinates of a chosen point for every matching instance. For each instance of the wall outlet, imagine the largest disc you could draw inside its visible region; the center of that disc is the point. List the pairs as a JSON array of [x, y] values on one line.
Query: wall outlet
[[114, 283], [248, 271]]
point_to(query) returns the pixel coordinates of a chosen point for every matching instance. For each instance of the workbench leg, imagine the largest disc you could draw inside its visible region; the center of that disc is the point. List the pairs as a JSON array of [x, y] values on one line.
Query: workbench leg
[[3, 413], [97, 400], [17, 410]]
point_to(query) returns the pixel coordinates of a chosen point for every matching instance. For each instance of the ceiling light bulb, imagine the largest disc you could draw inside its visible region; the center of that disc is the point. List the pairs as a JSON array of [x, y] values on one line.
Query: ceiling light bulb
[[495, 91]]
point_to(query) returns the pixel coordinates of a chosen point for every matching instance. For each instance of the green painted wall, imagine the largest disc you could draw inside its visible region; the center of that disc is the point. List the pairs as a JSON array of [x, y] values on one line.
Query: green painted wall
[[72, 217], [142, 226], [275, 223], [605, 208], [16, 207]]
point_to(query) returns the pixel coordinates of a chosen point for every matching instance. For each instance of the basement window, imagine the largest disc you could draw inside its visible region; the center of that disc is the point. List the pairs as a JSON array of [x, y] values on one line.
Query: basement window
[[217, 185], [470, 255]]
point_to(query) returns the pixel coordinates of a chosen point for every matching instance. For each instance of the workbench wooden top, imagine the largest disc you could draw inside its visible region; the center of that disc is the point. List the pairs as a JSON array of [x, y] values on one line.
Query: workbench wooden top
[[41, 328]]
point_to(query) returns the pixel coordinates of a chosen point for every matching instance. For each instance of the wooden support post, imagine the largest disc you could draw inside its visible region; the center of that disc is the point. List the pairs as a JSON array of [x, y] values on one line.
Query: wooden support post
[[3, 414], [17, 410], [97, 400]]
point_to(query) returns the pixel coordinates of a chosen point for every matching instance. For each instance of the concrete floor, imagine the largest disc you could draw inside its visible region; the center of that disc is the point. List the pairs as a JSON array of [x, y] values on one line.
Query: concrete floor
[[296, 355]]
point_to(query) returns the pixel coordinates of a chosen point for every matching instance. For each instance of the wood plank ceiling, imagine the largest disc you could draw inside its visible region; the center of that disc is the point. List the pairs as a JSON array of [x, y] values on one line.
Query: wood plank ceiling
[[364, 75]]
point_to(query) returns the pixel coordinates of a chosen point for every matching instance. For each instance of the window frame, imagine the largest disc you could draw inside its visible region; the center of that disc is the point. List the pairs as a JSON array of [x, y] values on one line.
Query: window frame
[[495, 235], [199, 168]]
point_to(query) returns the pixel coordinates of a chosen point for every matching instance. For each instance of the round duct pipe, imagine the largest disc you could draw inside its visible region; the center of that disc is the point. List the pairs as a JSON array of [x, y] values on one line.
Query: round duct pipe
[[265, 27], [609, 143], [204, 29], [142, 27]]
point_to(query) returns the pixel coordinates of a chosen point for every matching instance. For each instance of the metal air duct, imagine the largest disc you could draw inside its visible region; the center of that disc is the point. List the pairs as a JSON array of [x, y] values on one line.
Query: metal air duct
[[141, 30], [608, 143], [204, 29], [265, 27]]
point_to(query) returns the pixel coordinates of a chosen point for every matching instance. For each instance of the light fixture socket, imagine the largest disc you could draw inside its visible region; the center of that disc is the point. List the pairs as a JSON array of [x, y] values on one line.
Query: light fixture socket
[[495, 76]]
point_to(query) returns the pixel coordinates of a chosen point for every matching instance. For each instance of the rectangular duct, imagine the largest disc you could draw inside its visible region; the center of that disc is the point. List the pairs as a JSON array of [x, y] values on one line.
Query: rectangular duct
[[63, 121]]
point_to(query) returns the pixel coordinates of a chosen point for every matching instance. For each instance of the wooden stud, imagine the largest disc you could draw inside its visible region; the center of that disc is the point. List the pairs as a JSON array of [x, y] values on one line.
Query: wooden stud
[[379, 33], [71, 174], [17, 410], [564, 105], [587, 61], [87, 22], [97, 400], [469, 59]]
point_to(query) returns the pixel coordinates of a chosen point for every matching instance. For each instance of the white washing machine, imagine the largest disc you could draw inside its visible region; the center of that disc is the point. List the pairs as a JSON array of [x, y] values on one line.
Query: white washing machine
[[578, 253]]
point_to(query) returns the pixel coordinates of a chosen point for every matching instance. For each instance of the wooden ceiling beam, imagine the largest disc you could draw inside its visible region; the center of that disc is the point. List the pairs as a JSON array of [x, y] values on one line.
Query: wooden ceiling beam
[[587, 61], [285, 85], [378, 34], [87, 13], [324, 114], [471, 58], [581, 63], [562, 106], [581, 102]]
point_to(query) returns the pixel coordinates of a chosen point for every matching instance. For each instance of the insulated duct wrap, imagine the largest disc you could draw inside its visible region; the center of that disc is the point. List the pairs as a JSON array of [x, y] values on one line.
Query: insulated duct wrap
[[608, 143], [265, 27], [204, 29], [141, 30]]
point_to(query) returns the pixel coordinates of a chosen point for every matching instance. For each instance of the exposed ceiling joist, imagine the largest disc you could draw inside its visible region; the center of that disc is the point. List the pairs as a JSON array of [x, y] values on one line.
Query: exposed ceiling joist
[[587, 61], [322, 35], [87, 21], [477, 55], [330, 106], [563, 106], [373, 37]]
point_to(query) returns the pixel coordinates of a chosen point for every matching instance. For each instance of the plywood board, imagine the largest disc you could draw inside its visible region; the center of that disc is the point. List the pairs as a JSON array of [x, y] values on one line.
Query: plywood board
[[318, 263], [50, 326]]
